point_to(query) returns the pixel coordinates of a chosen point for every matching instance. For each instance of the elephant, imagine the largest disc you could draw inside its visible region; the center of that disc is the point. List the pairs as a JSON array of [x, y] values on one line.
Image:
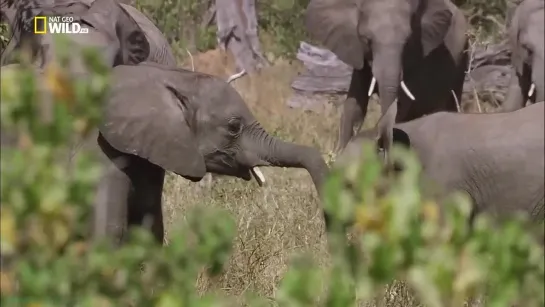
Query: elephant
[[496, 158], [122, 33], [406, 51], [526, 39], [160, 118]]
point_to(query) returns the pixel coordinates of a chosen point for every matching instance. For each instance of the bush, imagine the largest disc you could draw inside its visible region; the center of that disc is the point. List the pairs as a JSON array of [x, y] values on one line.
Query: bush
[[45, 210], [283, 21], [486, 18], [398, 236], [181, 21], [4, 36]]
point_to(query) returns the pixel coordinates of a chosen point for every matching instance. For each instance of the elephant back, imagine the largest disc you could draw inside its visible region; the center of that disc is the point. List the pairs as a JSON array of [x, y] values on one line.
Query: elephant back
[[160, 52]]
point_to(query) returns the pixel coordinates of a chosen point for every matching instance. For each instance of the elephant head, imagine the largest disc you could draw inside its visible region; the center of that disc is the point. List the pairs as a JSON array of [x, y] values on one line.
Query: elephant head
[[191, 123], [526, 33], [379, 35], [112, 31]]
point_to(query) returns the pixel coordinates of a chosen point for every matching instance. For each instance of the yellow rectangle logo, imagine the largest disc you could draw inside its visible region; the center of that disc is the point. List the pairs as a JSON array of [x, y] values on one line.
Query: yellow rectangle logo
[[44, 20]]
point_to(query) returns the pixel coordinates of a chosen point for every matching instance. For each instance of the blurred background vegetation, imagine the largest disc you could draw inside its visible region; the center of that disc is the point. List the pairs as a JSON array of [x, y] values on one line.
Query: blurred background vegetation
[[398, 252], [189, 24]]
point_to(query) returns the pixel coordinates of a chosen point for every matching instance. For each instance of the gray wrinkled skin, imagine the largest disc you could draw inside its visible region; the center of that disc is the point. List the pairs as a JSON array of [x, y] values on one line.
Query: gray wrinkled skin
[[526, 38], [419, 41], [139, 39], [496, 158], [161, 118]]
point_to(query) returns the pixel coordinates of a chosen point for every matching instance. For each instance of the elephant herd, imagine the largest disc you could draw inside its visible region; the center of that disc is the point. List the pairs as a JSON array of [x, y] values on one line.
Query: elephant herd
[[412, 53]]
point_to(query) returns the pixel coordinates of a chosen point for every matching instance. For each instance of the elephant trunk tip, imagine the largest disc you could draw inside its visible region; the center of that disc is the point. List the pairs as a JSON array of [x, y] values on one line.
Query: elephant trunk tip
[[317, 168]]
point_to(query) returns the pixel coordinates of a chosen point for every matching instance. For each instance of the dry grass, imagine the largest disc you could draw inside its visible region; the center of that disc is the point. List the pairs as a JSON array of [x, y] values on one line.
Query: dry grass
[[279, 220]]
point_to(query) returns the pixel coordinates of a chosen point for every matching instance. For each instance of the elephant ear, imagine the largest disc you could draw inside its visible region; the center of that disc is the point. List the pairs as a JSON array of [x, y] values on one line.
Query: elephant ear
[[146, 118], [108, 17], [435, 23], [334, 23]]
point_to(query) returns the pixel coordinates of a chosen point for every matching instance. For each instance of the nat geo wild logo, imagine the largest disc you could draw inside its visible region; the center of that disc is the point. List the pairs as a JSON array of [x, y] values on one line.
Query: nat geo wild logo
[[57, 24]]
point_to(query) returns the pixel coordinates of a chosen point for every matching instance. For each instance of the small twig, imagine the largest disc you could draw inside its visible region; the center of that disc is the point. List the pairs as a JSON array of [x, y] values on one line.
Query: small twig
[[477, 99], [456, 100], [236, 76], [471, 57], [468, 74]]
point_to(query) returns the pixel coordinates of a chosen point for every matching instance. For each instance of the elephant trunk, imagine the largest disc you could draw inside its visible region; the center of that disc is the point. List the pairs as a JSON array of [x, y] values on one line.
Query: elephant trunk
[[538, 78], [276, 152], [387, 69]]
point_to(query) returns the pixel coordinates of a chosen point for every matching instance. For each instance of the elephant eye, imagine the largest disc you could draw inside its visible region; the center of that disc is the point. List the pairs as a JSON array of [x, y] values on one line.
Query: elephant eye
[[235, 125]]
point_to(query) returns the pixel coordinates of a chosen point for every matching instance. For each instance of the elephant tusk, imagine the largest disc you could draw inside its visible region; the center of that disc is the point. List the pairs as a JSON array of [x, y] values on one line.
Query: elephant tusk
[[406, 90], [456, 100], [372, 87], [236, 76], [258, 175], [191, 57], [532, 89]]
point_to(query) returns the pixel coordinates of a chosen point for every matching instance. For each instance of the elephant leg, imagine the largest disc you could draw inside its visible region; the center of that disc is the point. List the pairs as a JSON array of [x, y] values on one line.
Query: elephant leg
[[110, 209], [129, 194], [355, 105], [351, 115], [145, 200], [516, 95]]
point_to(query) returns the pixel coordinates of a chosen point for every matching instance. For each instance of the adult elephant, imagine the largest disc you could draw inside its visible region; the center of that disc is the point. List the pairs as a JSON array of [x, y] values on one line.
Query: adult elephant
[[161, 118], [410, 46], [496, 158], [122, 33], [526, 33]]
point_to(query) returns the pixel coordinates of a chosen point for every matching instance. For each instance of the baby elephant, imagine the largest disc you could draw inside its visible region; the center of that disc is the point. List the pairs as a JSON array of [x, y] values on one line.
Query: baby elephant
[[497, 158], [159, 118]]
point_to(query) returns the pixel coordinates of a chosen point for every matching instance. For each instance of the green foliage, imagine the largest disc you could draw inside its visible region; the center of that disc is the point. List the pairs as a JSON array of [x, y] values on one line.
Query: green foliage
[[398, 232], [4, 35], [487, 18], [283, 21], [46, 207], [182, 23], [401, 235]]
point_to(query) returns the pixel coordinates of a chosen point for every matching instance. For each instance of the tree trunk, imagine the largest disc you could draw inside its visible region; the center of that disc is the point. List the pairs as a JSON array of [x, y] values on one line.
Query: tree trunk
[[237, 32]]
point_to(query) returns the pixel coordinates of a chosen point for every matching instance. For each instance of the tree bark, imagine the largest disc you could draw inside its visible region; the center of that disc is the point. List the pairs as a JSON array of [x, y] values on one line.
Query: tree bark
[[237, 32]]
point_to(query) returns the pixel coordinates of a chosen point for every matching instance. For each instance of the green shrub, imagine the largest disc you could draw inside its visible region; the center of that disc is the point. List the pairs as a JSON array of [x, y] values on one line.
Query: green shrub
[[4, 36], [398, 235], [487, 18], [45, 209], [181, 23], [283, 21]]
